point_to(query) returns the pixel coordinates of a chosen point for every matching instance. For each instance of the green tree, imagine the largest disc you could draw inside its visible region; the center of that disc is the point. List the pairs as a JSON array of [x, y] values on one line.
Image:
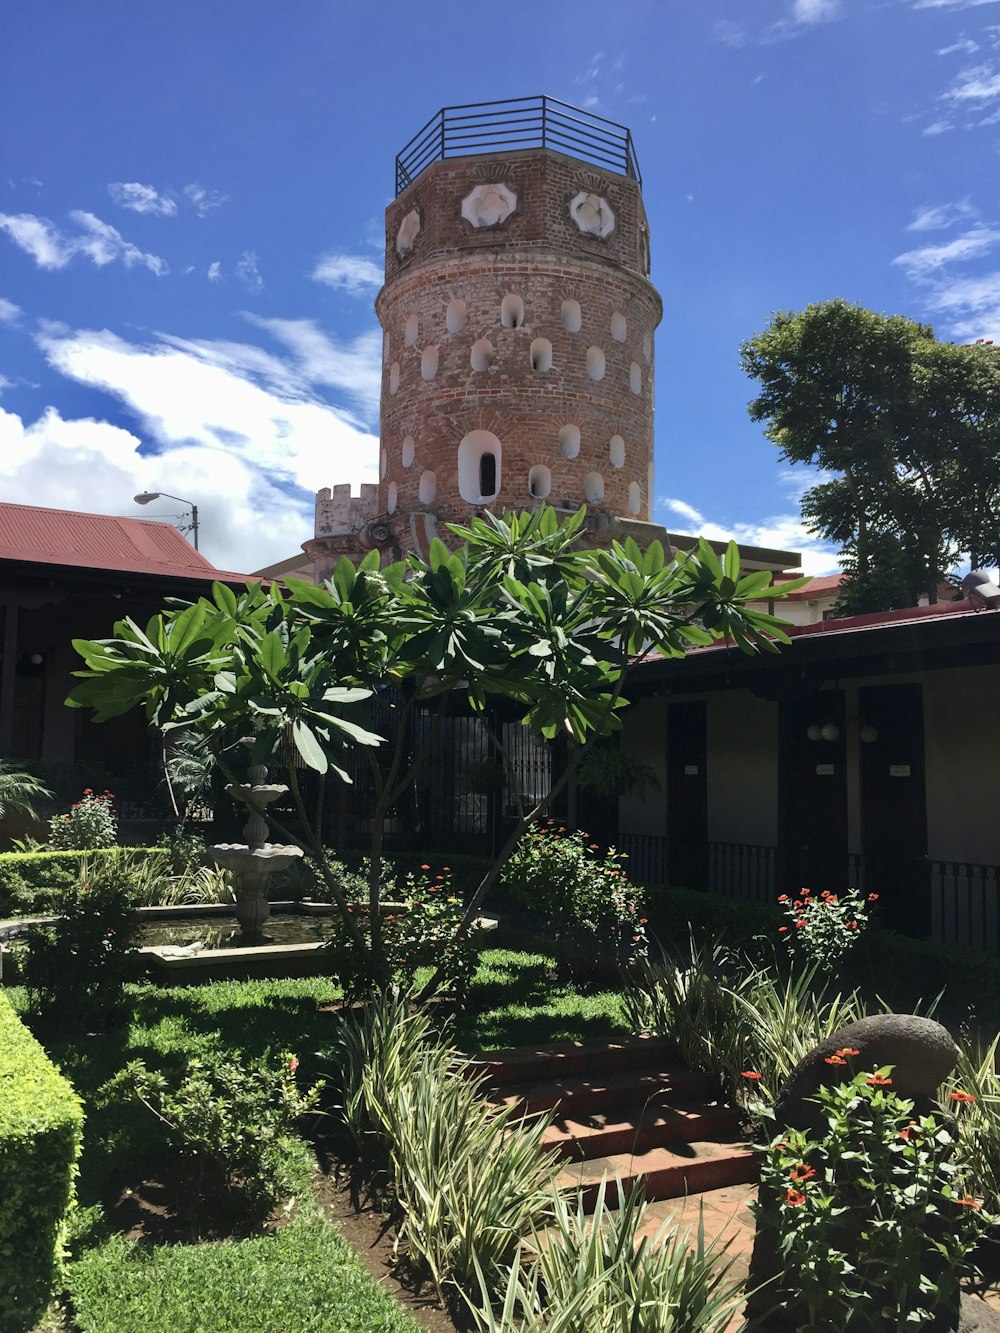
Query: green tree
[[904, 429], [19, 791], [515, 612]]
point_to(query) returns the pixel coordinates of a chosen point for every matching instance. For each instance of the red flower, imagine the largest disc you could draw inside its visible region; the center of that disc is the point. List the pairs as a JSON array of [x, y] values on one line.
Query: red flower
[[782, 897], [879, 1081], [910, 1132], [425, 867], [782, 930], [802, 1172], [799, 924], [751, 1074], [969, 1202], [873, 897], [848, 1050], [959, 1096], [794, 1197], [836, 1060]]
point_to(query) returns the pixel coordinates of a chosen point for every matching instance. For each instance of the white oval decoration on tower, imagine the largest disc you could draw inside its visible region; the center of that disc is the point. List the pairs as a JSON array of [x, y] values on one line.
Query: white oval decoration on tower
[[592, 214], [407, 234], [408, 452], [479, 467], [489, 205]]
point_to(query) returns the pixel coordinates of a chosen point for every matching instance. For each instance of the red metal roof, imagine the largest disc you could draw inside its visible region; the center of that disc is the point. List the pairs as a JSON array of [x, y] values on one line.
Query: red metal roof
[[99, 541]]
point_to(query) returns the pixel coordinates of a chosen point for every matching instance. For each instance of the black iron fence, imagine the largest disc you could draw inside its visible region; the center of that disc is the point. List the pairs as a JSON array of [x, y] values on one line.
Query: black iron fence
[[736, 869], [520, 122], [964, 906]]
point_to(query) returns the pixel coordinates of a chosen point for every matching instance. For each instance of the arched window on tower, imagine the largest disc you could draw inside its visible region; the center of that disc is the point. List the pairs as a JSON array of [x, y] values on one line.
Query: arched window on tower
[[479, 458]]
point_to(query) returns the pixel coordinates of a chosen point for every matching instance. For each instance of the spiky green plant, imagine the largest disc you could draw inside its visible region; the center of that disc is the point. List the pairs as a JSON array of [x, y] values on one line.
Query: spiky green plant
[[979, 1120], [19, 791], [602, 1274]]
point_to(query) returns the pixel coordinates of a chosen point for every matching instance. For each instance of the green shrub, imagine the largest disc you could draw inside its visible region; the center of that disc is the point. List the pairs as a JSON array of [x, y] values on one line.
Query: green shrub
[[583, 895], [75, 967], [92, 821], [34, 883], [41, 1125], [230, 1115], [870, 1216]]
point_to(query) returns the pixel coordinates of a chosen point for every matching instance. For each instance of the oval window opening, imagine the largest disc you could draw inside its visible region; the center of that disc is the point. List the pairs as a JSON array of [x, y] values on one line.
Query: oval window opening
[[409, 451], [647, 347], [539, 481], [428, 487], [455, 317], [635, 377], [391, 498], [595, 363], [481, 355], [617, 451], [410, 330], [393, 377], [541, 354], [593, 488], [619, 327], [428, 363], [572, 316], [569, 441], [488, 475], [634, 497], [511, 311]]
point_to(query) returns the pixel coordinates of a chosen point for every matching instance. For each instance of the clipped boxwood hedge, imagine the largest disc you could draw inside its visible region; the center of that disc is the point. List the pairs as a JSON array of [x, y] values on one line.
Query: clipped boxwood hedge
[[31, 883], [41, 1126]]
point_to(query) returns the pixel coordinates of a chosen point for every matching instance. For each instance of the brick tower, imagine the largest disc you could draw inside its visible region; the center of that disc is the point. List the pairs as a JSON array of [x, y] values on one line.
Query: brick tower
[[518, 322]]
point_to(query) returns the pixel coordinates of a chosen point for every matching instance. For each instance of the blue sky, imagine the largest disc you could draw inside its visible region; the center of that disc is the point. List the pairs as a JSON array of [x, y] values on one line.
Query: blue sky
[[191, 215]]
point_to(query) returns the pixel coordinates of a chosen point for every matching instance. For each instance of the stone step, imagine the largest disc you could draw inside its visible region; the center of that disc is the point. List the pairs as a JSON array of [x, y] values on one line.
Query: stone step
[[580, 1096], [524, 1064], [636, 1128], [667, 1173]]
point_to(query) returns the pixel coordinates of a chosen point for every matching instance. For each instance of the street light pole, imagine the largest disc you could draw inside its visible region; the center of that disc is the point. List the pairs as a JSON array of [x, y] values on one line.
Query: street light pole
[[147, 496]]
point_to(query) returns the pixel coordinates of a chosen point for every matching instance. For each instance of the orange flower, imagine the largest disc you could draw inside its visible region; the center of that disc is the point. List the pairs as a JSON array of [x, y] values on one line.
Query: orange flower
[[969, 1202], [751, 1074], [873, 897], [879, 1081], [782, 897], [802, 1172], [782, 930], [836, 1060], [910, 1132], [848, 1050], [959, 1096], [794, 1197]]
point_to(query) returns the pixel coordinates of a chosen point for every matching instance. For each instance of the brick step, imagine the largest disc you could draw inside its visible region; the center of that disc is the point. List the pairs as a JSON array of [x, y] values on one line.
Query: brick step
[[634, 1129], [578, 1097], [667, 1173], [528, 1064]]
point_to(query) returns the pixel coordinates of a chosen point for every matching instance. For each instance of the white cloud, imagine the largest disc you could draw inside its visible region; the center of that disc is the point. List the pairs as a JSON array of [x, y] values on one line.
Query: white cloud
[[354, 368], [8, 311], [930, 259], [52, 249], [246, 521], [730, 34], [952, 4], [204, 201], [814, 11], [141, 198], [356, 274], [247, 272], [782, 532], [215, 272], [972, 305], [980, 84], [938, 127], [965, 45], [938, 217]]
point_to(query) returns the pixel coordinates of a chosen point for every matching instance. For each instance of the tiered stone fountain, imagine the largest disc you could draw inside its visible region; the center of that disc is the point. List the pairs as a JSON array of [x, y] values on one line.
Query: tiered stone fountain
[[255, 861]]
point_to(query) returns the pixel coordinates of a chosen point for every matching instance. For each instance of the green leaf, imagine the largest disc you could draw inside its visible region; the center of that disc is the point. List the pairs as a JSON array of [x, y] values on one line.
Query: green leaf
[[308, 746]]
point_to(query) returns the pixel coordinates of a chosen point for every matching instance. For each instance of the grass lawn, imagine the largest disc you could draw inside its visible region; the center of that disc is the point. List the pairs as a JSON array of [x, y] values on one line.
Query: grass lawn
[[301, 1277]]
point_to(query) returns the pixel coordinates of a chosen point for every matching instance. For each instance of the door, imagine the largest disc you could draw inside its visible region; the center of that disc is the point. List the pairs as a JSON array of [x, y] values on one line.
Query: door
[[894, 805], [813, 792], [687, 795]]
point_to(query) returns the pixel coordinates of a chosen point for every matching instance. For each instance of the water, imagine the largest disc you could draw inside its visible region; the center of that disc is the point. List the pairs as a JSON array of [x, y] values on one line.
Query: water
[[223, 932]]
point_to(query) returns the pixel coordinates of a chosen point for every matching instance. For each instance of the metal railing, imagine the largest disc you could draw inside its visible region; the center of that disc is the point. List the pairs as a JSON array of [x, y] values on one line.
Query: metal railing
[[736, 869], [521, 122], [964, 904]]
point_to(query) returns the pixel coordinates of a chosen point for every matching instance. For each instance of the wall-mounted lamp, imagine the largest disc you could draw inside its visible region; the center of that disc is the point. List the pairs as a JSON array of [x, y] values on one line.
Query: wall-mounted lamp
[[829, 731]]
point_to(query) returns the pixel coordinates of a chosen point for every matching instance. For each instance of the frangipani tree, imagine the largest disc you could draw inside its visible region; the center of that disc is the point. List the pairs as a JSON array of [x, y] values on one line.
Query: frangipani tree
[[515, 611]]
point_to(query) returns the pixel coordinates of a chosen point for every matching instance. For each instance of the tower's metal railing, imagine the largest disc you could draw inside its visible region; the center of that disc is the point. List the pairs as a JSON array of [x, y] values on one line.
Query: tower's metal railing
[[521, 122]]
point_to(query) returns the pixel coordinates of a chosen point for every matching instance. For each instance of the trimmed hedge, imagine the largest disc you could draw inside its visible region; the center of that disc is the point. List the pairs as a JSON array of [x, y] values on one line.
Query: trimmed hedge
[[31, 883], [41, 1127]]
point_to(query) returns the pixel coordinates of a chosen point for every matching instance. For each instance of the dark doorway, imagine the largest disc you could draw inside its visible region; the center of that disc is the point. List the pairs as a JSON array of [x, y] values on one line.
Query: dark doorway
[[894, 805], [687, 795], [813, 792]]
